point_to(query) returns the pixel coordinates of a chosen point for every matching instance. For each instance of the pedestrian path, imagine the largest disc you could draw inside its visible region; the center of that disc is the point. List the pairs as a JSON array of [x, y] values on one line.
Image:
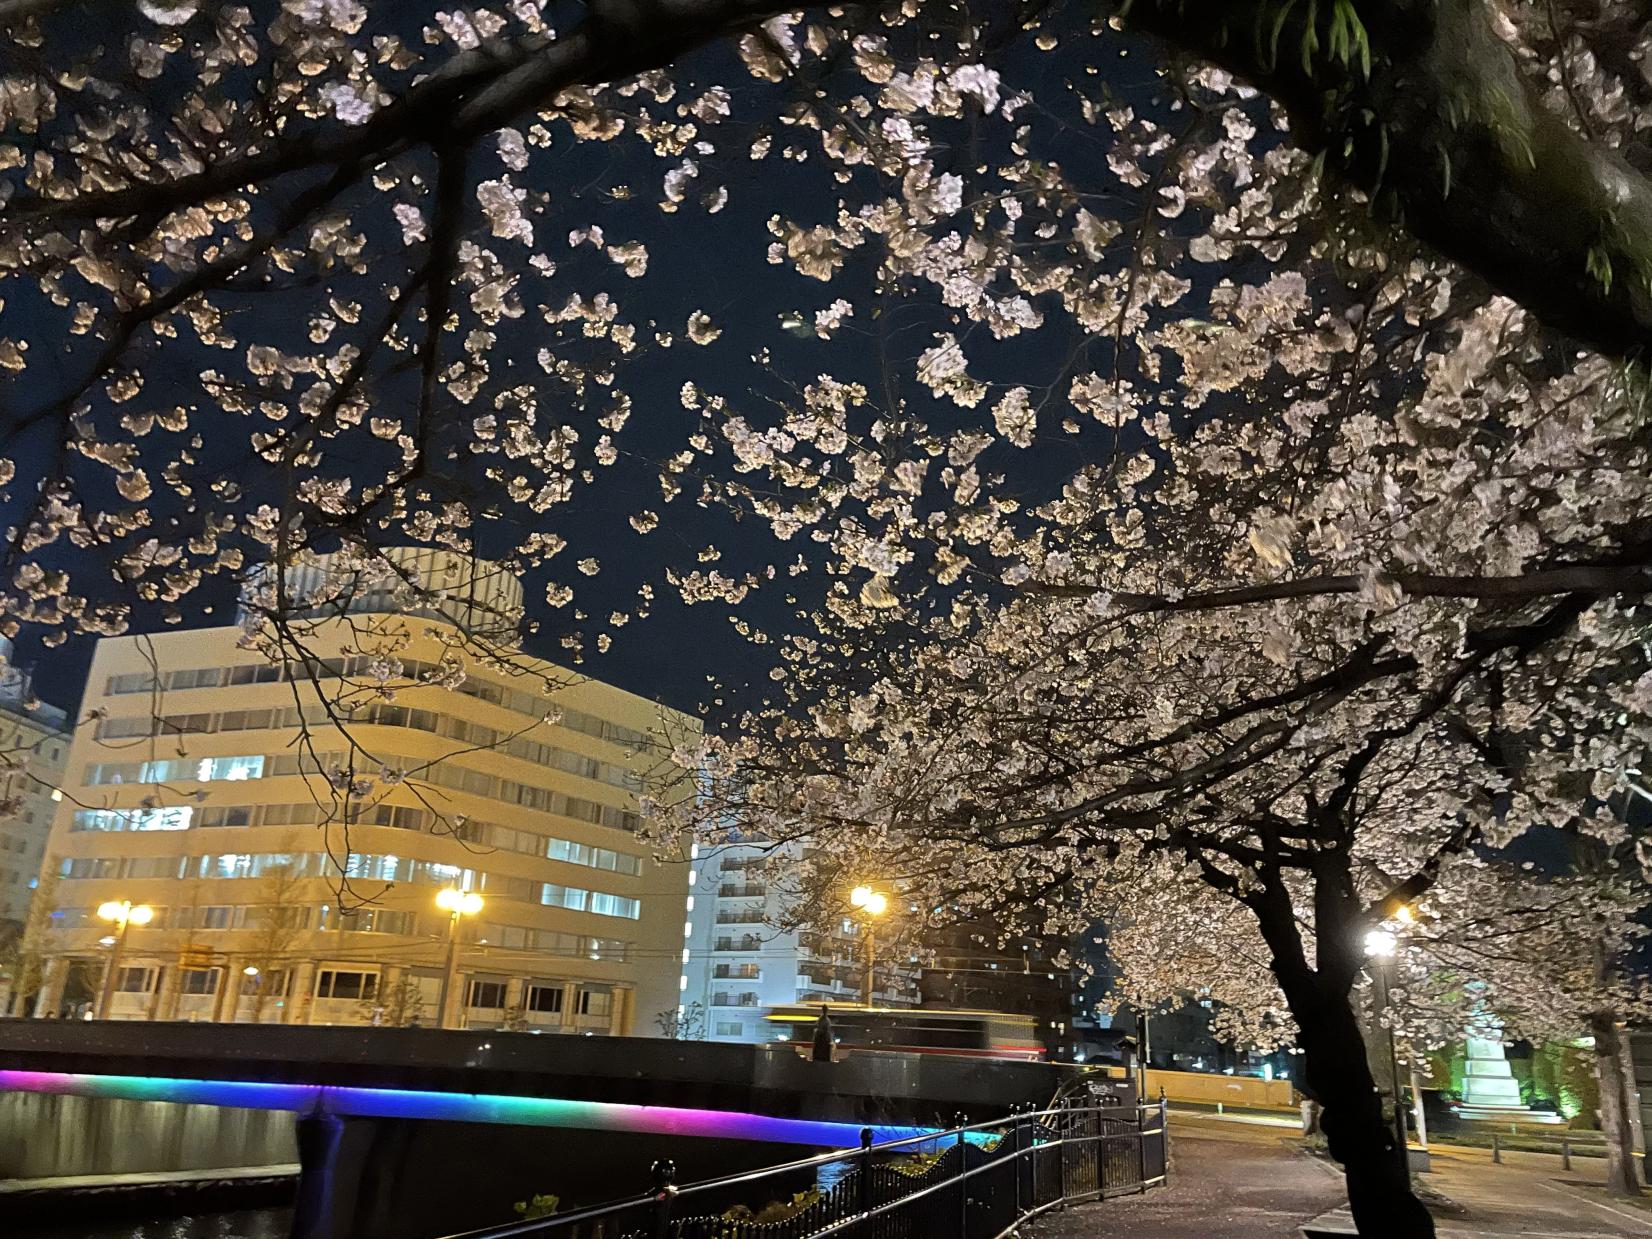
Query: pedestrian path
[[1528, 1196], [1227, 1181]]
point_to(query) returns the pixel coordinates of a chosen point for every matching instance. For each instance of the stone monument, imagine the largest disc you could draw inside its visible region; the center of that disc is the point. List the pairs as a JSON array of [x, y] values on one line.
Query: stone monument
[[1490, 1090]]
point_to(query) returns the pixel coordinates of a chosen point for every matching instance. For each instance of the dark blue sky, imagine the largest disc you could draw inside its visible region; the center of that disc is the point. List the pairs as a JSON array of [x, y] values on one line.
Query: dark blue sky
[[698, 261]]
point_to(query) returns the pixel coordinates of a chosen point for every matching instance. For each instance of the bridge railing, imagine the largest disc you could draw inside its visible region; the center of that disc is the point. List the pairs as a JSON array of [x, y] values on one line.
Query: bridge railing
[[974, 1181]]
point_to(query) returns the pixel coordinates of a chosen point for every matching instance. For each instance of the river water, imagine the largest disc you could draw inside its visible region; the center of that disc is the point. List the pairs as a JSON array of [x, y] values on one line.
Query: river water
[[245, 1224]]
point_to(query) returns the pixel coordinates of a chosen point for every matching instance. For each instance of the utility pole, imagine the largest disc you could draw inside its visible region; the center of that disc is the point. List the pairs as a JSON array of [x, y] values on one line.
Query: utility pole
[[456, 904], [1379, 982]]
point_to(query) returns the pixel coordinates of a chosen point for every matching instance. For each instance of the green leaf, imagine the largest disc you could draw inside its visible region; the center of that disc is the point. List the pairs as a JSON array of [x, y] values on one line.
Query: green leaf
[[1273, 39], [1310, 38]]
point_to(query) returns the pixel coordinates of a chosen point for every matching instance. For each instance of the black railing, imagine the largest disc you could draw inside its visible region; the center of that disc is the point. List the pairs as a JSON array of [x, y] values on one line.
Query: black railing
[[978, 1181]]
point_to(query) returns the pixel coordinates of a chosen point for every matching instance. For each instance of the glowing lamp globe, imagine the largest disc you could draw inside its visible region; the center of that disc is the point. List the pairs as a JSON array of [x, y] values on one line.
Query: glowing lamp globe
[[463, 903]]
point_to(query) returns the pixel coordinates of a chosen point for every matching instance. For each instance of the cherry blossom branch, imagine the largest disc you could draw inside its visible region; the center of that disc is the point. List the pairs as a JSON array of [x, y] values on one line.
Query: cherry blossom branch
[[475, 93], [1424, 106], [1628, 579]]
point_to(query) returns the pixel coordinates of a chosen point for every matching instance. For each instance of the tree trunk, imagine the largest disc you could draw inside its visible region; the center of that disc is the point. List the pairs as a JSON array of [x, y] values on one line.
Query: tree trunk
[[1622, 1177], [1337, 1071], [1351, 1116]]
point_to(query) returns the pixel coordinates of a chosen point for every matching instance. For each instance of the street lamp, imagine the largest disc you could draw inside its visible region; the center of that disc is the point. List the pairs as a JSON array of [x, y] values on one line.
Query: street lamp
[[1380, 947], [871, 904], [251, 974], [124, 913], [456, 903]]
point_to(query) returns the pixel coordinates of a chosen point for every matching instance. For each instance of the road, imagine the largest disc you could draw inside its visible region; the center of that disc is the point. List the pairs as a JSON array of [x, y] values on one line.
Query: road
[[1227, 1180]]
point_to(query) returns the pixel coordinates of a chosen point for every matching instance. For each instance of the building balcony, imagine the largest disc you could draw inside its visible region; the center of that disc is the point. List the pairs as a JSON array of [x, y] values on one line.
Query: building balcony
[[740, 918]]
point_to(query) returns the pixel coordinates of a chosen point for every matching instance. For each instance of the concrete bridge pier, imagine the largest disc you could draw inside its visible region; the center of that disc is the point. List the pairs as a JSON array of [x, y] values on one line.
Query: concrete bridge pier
[[408, 1178], [352, 1181]]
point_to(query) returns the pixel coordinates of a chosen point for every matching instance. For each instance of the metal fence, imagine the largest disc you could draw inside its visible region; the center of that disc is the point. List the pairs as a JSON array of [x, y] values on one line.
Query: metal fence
[[978, 1181]]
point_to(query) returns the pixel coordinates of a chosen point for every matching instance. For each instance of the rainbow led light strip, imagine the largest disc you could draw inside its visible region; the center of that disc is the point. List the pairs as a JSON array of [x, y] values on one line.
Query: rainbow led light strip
[[464, 1107]]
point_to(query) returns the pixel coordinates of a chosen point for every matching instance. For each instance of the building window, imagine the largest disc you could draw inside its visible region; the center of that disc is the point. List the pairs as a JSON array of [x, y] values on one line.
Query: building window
[[731, 1030], [615, 905], [219, 917], [595, 1001], [487, 994], [563, 896], [547, 998], [199, 981], [233, 768], [254, 673], [374, 921], [228, 815], [580, 900], [272, 982], [90, 867], [135, 980], [339, 983]]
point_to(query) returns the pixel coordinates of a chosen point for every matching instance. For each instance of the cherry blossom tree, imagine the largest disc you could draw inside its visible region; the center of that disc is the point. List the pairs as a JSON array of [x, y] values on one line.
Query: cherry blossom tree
[[294, 253], [1156, 417], [1501, 950], [1220, 660]]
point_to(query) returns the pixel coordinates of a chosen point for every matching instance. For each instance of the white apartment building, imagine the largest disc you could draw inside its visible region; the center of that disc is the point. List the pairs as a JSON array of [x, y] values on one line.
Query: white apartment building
[[34, 744], [740, 962], [290, 837]]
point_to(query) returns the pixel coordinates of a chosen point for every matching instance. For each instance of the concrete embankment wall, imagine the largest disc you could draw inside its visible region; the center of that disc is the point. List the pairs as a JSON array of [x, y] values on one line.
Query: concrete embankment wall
[[46, 1136]]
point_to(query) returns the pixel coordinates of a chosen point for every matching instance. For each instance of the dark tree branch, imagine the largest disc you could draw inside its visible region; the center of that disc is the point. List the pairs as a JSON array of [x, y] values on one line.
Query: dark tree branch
[[1424, 106], [1417, 101], [1632, 579]]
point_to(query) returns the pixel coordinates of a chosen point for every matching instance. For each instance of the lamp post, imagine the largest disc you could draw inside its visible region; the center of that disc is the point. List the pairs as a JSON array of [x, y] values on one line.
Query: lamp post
[[1380, 945], [124, 913], [456, 903], [250, 972], [871, 904]]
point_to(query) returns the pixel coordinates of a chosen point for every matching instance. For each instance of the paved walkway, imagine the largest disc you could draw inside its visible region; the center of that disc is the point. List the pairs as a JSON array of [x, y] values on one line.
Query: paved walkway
[[1227, 1181], [1528, 1196], [1234, 1180]]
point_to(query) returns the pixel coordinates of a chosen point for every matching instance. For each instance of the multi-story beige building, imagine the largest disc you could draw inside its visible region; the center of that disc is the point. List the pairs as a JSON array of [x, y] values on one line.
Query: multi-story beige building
[[33, 745], [291, 828]]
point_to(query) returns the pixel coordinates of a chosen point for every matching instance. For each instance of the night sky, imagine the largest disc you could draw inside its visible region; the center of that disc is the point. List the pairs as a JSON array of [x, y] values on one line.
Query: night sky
[[698, 261]]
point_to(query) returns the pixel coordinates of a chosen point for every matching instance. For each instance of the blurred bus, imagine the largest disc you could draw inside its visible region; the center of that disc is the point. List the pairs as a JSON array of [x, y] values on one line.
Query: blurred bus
[[976, 1034]]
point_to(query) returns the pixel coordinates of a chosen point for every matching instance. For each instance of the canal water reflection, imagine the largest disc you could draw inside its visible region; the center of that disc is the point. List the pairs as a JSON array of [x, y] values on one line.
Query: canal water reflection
[[244, 1224]]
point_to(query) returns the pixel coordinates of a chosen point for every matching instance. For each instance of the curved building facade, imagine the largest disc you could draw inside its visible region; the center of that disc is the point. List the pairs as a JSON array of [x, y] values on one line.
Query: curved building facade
[[291, 827]]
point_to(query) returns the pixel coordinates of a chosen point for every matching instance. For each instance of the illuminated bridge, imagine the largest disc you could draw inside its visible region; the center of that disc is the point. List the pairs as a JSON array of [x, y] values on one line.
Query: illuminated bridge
[[413, 1131]]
